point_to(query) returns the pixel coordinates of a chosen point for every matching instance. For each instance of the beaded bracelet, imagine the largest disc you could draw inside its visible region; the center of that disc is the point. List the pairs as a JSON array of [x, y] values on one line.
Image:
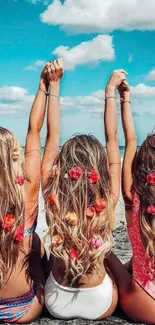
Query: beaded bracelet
[[110, 97], [125, 101], [54, 96], [44, 91]]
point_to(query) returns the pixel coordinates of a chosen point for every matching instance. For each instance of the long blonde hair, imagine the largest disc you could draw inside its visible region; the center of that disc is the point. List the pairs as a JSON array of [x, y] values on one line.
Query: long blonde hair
[[144, 165], [71, 198], [11, 202]]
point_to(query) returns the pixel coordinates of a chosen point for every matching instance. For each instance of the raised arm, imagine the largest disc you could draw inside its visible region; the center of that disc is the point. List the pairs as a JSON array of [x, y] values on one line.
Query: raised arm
[[130, 140], [32, 163], [54, 75], [110, 120]]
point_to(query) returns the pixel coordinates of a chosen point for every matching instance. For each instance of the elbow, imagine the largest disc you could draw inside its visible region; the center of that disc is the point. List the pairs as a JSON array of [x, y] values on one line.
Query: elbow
[[33, 128], [111, 137]]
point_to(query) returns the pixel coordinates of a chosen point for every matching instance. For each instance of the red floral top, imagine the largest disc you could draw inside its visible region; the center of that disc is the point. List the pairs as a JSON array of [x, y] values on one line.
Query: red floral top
[[142, 264]]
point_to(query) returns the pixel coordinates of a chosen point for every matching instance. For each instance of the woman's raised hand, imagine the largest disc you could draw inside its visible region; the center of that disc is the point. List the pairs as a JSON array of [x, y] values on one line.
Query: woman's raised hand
[[55, 71], [124, 90], [116, 78], [43, 77]]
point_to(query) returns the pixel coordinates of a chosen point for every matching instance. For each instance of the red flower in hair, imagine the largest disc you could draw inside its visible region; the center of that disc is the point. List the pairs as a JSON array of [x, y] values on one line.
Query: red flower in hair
[[99, 205], [51, 199], [90, 212], [73, 254], [8, 221], [151, 209], [93, 176], [20, 180], [75, 172], [19, 233], [151, 178]]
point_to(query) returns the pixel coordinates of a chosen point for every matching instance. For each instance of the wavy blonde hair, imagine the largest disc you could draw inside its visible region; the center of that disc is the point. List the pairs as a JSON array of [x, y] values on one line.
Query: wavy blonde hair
[[75, 196], [11, 201], [144, 165]]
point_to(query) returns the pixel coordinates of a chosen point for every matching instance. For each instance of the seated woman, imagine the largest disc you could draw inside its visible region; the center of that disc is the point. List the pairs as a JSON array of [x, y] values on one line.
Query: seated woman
[[21, 275], [137, 292], [80, 186]]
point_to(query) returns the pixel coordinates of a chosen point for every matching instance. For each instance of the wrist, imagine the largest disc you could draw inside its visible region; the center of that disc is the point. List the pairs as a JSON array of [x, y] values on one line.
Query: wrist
[[110, 91], [125, 97], [54, 87], [43, 85]]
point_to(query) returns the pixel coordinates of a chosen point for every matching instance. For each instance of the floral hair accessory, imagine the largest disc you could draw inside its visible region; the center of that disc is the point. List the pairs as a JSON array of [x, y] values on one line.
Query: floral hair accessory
[[75, 172], [73, 254], [8, 221], [66, 176], [90, 212], [99, 205], [95, 241], [151, 210], [20, 180], [57, 240], [71, 218], [93, 176], [16, 153], [19, 233], [52, 199], [151, 178]]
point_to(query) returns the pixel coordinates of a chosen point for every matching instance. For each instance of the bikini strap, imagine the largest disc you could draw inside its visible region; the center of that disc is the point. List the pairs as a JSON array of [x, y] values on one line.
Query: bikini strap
[[30, 230]]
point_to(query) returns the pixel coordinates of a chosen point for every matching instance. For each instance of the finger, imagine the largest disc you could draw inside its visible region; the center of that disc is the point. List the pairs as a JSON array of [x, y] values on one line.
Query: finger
[[120, 71], [52, 67], [60, 63], [56, 65]]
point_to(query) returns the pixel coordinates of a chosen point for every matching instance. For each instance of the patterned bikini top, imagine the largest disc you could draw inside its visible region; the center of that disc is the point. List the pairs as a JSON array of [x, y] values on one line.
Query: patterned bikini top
[[142, 264]]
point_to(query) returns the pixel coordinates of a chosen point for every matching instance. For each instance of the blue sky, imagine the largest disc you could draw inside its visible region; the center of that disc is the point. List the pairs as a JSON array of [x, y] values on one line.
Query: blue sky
[[93, 38]]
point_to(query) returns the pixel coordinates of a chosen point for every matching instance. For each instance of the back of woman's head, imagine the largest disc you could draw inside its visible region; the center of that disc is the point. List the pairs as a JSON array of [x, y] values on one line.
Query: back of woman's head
[[79, 205], [11, 203], [144, 185]]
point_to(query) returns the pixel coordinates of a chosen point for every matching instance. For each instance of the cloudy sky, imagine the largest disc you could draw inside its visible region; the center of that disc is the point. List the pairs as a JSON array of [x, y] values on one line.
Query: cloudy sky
[[93, 37]]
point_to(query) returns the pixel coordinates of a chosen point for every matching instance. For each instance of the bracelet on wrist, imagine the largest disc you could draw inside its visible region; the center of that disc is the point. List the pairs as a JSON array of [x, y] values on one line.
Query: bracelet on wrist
[[125, 101], [110, 97], [50, 94], [44, 91]]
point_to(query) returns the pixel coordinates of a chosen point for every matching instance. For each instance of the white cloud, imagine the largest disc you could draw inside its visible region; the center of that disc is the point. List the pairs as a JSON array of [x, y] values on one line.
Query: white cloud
[[130, 58], [101, 16], [14, 100], [142, 90], [151, 74], [98, 49], [34, 66]]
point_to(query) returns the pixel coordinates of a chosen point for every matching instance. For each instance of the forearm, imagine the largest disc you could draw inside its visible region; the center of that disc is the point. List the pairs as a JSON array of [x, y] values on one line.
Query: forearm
[[53, 115], [110, 119], [38, 110], [127, 121]]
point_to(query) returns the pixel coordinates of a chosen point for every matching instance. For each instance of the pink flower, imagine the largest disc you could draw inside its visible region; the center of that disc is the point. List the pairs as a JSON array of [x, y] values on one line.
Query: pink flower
[[95, 242], [90, 212], [20, 180], [151, 178], [75, 172], [19, 233], [93, 176], [151, 209], [73, 254], [99, 205]]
